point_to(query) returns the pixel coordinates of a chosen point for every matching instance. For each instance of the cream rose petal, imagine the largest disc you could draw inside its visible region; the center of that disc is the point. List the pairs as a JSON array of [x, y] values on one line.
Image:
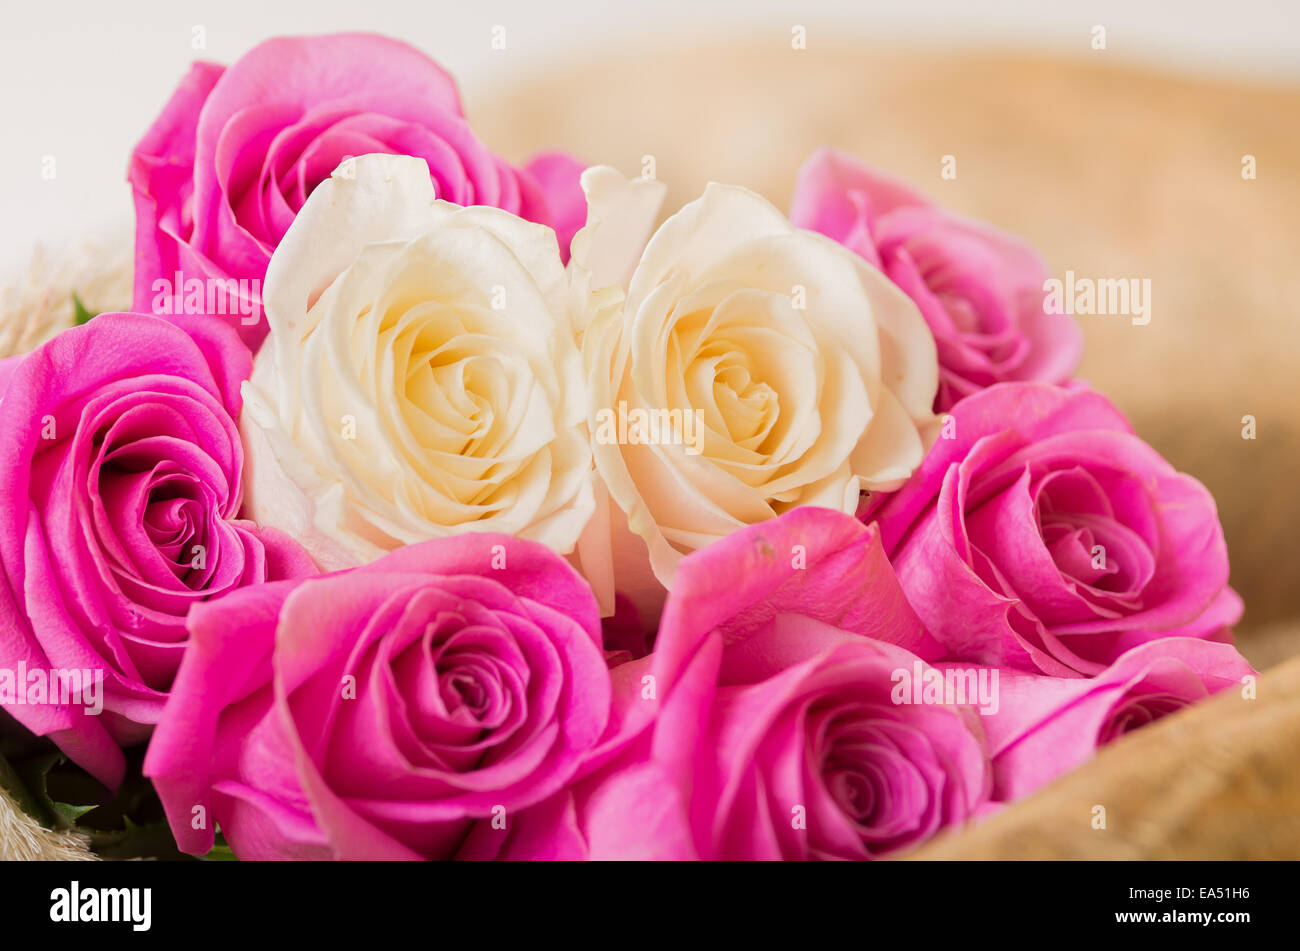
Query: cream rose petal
[[813, 377], [421, 376], [621, 215]]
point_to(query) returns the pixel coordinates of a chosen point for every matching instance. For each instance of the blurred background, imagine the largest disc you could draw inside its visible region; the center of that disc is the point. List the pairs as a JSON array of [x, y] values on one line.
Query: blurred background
[[1112, 135]]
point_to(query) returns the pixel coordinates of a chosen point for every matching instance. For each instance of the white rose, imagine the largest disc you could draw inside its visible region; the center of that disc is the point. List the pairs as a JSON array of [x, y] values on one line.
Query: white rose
[[420, 378], [769, 368]]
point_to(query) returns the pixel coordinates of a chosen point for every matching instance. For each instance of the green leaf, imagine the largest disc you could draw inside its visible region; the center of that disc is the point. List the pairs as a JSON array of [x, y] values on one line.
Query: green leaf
[[70, 813], [79, 310], [59, 794], [221, 853], [34, 773], [74, 792]]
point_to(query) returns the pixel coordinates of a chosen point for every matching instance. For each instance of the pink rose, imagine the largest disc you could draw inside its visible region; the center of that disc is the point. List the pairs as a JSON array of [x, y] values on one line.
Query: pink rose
[[1045, 536], [981, 291], [377, 713], [764, 726], [224, 169], [119, 507], [1046, 726]]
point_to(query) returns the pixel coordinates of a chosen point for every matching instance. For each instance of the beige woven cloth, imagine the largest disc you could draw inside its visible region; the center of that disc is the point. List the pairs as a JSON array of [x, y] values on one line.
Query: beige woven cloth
[[1217, 781], [22, 838], [1109, 171]]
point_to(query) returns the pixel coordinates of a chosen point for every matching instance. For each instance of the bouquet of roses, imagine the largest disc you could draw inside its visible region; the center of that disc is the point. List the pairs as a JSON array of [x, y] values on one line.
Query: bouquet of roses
[[429, 506]]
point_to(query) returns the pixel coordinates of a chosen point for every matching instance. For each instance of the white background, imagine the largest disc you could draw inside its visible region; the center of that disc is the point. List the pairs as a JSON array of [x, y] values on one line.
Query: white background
[[81, 81]]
